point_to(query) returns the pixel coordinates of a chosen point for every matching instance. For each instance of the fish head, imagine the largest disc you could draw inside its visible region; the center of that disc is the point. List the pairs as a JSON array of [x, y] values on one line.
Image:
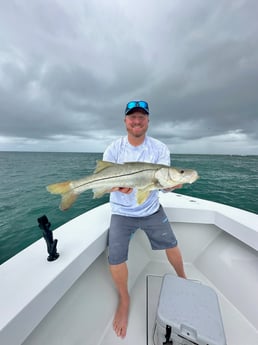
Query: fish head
[[170, 176]]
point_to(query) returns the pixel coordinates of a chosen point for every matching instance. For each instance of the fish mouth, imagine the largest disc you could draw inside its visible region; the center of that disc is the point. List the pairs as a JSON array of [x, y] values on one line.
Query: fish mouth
[[194, 177]]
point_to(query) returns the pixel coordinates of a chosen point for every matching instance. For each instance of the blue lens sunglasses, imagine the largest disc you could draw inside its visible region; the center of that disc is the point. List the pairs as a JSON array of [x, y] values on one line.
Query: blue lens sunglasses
[[137, 104]]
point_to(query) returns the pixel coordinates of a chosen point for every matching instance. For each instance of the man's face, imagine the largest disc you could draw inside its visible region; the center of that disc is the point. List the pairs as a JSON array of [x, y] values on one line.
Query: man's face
[[137, 123]]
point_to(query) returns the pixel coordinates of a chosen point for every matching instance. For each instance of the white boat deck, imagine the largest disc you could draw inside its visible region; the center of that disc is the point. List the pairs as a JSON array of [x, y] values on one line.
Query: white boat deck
[[72, 301], [244, 332], [84, 315]]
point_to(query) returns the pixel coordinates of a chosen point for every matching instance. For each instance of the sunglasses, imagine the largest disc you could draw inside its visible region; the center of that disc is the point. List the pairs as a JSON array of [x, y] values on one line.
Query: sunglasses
[[137, 104]]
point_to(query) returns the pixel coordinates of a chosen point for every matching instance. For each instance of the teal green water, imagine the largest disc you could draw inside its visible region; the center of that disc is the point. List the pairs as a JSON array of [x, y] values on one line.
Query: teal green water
[[232, 180]]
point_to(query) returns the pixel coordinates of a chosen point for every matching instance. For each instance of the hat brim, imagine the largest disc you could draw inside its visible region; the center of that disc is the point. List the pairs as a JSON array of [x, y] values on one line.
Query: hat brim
[[133, 110]]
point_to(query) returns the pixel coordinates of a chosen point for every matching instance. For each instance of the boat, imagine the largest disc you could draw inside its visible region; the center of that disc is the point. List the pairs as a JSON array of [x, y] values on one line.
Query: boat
[[72, 299]]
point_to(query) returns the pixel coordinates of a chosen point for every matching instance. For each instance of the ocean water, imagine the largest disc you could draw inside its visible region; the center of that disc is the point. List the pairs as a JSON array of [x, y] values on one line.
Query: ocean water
[[232, 180]]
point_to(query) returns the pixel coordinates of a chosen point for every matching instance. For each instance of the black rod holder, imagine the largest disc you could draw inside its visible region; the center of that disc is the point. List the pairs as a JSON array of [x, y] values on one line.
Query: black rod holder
[[44, 225]]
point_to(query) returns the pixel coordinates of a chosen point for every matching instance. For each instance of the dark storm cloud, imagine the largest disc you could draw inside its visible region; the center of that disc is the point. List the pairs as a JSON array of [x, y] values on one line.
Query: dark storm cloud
[[67, 71]]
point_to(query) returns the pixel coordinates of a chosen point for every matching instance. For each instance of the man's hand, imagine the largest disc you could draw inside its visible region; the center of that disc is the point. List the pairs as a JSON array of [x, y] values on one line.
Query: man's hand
[[127, 190], [124, 190]]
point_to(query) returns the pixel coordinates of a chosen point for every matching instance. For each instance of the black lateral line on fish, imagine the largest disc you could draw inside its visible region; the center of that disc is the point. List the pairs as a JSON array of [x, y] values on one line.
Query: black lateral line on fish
[[113, 177]]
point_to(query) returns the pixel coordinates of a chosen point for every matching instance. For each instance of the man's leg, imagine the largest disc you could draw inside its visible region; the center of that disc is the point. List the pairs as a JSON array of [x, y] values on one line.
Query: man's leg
[[120, 277], [175, 258], [161, 235], [120, 232]]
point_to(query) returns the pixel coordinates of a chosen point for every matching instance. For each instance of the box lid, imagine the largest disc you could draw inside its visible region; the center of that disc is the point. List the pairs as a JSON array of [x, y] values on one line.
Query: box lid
[[191, 309]]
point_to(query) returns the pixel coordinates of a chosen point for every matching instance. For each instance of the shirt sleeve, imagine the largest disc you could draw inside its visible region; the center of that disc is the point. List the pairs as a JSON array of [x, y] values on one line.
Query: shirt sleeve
[[110, 153], [164, 156]]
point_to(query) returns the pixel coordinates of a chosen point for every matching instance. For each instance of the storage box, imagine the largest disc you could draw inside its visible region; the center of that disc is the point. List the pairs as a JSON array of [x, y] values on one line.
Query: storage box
[[188, 313]]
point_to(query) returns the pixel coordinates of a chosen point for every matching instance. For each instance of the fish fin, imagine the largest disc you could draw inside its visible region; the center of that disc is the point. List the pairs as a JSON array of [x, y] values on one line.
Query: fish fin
[[142, 195], [101, 165], [68, 196], [99, 192], [67, 200]]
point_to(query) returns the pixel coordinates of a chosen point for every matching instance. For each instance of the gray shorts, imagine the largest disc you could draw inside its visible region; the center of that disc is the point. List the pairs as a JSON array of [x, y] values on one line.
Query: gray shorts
[[156, 227]]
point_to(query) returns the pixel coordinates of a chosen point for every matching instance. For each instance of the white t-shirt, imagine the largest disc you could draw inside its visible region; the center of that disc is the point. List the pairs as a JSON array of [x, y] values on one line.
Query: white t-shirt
[[150, 151]]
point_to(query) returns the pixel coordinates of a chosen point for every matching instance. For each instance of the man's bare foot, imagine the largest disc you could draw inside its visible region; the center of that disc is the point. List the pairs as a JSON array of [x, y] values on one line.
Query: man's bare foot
[[121, 318]]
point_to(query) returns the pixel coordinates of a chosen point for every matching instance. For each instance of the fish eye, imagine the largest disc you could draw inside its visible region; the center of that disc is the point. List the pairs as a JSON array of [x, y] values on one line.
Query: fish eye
[[182, 171]]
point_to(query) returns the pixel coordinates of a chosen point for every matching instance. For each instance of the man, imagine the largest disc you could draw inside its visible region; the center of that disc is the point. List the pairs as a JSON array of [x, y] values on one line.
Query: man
[[127, 214]]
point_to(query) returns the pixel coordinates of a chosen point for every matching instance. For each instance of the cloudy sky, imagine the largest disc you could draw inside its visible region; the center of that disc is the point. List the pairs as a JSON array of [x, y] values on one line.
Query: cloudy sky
[[67, 69]]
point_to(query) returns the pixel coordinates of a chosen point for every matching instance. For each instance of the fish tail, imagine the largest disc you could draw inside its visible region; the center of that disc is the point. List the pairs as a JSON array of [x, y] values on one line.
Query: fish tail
[[59, 188], [68, 196]]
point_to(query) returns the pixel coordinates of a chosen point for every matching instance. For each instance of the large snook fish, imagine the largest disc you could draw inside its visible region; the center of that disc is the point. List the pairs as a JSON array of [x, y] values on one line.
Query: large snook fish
[[142, 176]]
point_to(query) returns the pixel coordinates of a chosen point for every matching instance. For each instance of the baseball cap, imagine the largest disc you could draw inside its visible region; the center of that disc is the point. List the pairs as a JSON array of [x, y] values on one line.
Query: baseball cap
[[137, 104]]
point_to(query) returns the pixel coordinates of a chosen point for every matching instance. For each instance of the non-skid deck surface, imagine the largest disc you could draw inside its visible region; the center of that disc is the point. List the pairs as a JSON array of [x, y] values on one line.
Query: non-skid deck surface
[[238, 330]]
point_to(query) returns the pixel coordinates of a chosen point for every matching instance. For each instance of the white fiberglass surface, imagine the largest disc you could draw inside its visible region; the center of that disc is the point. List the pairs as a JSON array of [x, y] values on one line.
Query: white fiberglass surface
[[237, 328], [84, 315]]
